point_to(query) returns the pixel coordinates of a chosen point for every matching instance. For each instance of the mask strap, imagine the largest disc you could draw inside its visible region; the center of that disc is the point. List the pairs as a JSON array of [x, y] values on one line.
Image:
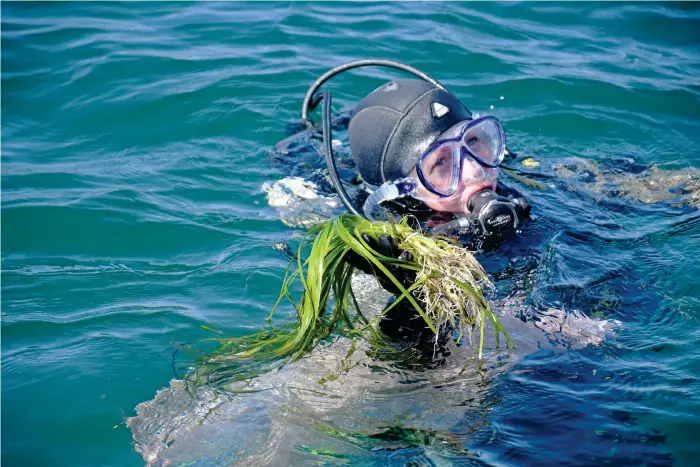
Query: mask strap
[[328, 154]]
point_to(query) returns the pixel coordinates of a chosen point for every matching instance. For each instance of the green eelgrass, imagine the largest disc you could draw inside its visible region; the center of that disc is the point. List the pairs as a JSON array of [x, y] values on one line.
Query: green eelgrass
[[449, 282]]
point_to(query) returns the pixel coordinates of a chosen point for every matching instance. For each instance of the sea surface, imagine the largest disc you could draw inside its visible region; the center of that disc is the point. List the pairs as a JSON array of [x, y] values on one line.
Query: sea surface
[[136, 138]]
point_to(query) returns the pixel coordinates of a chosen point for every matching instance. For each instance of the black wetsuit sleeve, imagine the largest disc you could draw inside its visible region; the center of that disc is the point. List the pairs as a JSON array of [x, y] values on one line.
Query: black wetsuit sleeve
[[401, 322], [404, 323]]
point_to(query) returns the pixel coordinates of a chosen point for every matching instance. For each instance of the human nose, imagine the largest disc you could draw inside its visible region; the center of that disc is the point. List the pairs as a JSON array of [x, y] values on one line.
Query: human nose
[[471, 169]]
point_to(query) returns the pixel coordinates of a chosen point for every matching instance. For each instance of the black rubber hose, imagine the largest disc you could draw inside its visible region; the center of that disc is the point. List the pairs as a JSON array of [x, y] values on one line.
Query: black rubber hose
[[313, 104], [460, 223], [305, 106], [328, 153]]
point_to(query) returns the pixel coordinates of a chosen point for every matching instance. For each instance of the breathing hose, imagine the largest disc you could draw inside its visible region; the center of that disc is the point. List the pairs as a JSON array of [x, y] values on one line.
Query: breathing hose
[[308, 105], [328, 153]]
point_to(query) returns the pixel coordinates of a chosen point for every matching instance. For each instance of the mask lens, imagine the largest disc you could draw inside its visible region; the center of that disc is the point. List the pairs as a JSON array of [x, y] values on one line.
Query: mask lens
[[485, 141], [438, 167]]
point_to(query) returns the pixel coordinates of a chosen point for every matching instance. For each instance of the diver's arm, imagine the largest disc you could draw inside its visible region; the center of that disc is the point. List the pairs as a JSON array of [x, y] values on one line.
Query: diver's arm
[[385, 246], [400, 321], [404, 323]]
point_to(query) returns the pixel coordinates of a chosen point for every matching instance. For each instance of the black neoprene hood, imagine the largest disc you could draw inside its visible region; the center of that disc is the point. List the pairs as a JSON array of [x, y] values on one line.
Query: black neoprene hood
[[396, 123]]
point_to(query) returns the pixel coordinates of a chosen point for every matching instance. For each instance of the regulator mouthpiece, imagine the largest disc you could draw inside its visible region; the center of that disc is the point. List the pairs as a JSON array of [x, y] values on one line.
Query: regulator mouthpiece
[[493, 214]]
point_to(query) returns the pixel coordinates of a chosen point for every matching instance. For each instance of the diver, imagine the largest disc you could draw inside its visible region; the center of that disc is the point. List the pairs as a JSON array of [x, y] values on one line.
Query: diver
[[417, 151], [427, 156], [413, 138]]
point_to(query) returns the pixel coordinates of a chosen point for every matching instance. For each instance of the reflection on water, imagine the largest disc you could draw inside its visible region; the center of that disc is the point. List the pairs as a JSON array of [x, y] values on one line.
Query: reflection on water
[[342, 404]]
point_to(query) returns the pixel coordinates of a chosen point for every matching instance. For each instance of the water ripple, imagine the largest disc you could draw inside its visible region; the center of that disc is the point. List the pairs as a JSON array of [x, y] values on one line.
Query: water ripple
[[135, 143]]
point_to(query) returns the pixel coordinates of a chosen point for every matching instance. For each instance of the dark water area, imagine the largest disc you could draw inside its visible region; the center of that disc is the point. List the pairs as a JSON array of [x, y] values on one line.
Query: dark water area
[[136, 139]]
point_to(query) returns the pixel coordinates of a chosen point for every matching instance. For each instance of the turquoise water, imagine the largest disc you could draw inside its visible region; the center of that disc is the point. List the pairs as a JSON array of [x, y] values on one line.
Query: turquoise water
[[135, 142]]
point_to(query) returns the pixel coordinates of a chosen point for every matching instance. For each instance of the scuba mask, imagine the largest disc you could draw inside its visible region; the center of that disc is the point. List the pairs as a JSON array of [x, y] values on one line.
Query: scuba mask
[[476, 141], [439, 168]]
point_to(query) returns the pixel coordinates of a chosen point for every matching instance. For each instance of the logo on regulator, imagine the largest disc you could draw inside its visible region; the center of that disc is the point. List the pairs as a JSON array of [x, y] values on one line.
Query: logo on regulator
[[500, 220]]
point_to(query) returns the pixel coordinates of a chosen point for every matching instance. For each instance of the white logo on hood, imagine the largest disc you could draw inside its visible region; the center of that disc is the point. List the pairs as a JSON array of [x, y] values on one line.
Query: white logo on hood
[[439, 110]]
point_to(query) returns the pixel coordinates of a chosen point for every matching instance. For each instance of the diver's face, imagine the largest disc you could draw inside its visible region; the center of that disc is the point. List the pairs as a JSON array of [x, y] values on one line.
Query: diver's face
[[461, 162], [473, 178]]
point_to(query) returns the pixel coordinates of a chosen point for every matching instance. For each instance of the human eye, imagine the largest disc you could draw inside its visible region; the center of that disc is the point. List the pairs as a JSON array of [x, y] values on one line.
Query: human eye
[[438, 163]]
